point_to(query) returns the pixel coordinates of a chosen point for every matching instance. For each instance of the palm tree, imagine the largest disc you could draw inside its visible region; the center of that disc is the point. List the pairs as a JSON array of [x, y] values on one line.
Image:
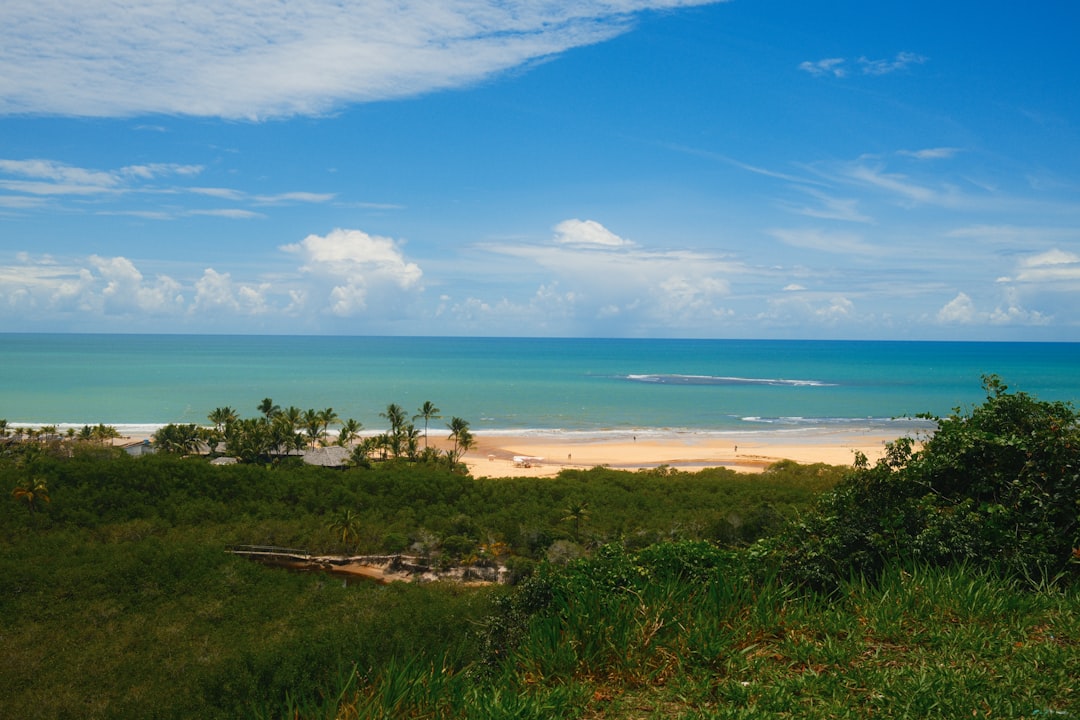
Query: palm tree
[[312, 423], [177, 439], [32, 491], [429, 412], [463, 439], [411, 437], [104, 433], [222, 416], [350, 429], [328, 417], [346, 525], [577, 512], [290, 415], [268, 408], [395, 415]]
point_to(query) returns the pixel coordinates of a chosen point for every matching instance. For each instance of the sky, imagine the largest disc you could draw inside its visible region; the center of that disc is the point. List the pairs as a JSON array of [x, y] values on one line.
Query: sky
[[589, 168]]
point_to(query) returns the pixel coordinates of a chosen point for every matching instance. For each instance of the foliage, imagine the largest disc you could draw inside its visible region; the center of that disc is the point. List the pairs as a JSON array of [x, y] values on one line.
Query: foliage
[[999, 485], [685, 630]]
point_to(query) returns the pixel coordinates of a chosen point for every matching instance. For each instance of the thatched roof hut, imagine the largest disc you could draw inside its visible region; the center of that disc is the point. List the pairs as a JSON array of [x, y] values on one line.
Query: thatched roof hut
[[331, 456]]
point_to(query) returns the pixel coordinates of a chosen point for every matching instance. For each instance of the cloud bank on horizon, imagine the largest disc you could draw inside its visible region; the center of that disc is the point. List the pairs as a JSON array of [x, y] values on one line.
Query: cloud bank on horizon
[[599, 168]]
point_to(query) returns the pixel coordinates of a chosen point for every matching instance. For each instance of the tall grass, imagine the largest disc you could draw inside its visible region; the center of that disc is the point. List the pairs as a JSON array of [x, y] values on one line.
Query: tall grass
[[625, 637]]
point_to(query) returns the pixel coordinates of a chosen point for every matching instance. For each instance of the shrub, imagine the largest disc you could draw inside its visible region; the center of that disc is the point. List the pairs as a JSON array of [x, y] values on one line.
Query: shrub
[[998, 486]]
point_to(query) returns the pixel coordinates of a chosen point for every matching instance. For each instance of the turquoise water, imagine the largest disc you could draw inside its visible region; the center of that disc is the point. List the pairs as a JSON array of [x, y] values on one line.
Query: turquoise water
[[513, 384]]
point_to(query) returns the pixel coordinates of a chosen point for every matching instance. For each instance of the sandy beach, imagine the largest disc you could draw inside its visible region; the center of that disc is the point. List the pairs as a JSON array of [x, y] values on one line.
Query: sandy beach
[[546, 454], [494, 455]]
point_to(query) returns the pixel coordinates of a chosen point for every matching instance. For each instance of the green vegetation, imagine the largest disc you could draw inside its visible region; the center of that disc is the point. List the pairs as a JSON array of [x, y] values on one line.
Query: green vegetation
[[940, 582]]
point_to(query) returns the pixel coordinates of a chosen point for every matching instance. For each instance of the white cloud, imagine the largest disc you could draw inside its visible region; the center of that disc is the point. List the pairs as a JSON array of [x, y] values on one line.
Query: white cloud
[[959, 310], [252, 59], [832, 208], [838, 67], [358, 264], [884, 67], [808, 310], [126, 291], [587, 233], [1054, 265], [216, 293], [941, 153], [827, 66]]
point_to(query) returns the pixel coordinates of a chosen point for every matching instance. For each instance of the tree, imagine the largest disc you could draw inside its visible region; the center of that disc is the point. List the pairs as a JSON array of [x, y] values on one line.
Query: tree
[[222, 416], [429, 412], [395, 415], [463, 439], [998, 485], [268, 408], [33, 491], [577, 512], [350, 430], [312, 423], [328, 417], [177, 439], [346, 525], [103, 434]]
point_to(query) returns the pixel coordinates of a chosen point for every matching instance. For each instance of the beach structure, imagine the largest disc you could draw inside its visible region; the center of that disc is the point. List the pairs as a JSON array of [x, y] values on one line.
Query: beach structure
[[527, 460], [331, 456]]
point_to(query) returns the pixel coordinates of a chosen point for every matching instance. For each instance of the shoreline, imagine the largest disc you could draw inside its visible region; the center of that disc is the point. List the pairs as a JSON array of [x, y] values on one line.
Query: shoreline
[[545, 453]]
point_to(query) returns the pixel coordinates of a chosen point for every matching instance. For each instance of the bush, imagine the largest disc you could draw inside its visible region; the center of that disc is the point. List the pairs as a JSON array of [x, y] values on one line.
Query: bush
[[999, 486]]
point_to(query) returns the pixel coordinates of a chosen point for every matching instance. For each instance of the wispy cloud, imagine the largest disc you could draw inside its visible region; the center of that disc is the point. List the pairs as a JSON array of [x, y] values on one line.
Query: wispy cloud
[[34, 183], [940, 153], [832, 242], [249, 59], [884, 67], [831, 207], [48, 177], [841, 67], [827, 66]]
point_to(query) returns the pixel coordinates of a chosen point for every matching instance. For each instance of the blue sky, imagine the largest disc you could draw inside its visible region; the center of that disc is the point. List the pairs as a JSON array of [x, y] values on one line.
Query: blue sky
[[750, 168]]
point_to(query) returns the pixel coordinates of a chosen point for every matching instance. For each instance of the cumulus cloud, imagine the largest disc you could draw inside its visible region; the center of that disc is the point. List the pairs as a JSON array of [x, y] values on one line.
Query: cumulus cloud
[[217, 292], [961, 310], [808, 309], [127, 291], [250, 59], [357, 264]]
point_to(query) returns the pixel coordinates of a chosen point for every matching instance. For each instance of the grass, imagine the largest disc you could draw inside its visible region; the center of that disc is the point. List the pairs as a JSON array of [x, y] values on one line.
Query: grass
[[922, 643]]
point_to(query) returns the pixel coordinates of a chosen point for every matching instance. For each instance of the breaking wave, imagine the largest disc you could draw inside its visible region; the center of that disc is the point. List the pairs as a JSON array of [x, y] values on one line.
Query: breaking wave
[[661, 379]]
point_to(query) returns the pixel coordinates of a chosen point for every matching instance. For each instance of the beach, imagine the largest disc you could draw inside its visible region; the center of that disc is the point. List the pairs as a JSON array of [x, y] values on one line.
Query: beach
[[545, 455]]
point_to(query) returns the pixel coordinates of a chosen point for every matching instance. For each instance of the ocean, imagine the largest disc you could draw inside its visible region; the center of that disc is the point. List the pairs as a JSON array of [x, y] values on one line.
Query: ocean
[[519, 385]]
